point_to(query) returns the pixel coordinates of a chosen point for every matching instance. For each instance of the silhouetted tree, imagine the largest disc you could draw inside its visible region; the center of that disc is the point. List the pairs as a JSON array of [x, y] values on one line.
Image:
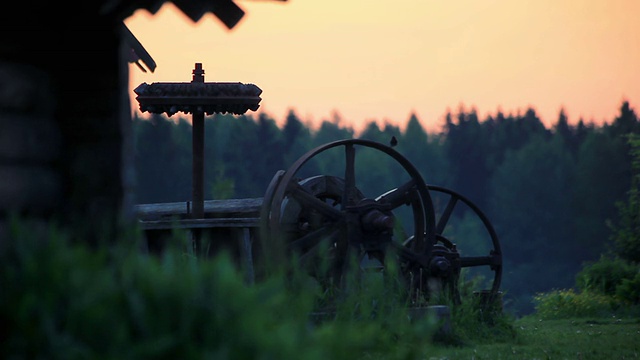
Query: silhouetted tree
[[425, 153], [531, 209], [296, 142], [162, 163], [626, 229], [466, 148], [269, 149]]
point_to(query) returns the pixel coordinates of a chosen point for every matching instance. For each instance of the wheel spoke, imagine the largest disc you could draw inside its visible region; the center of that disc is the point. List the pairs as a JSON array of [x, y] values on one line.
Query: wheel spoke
[[408, 255], [446, 214], [315, 237], [341, 261], [307, 199], [399, 196], [491, 260], [328, 233], [350, 192]]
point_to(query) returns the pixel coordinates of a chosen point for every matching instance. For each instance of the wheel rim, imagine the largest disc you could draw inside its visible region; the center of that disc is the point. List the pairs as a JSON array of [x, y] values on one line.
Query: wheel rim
[[493, 259], [353, 219]]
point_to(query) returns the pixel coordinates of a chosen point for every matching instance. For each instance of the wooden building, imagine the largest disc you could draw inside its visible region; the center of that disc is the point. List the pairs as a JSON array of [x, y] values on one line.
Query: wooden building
[[66, 147]]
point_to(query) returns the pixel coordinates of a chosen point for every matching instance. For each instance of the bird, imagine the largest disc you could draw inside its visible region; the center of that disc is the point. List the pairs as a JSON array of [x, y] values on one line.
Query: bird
[[393, 141]]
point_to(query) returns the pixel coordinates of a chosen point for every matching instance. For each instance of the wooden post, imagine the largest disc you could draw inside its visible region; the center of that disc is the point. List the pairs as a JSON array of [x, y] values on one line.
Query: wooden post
[[198, 151]]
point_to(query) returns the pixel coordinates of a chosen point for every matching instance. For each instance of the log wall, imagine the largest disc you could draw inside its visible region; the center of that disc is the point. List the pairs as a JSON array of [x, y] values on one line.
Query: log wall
[[65, 119]]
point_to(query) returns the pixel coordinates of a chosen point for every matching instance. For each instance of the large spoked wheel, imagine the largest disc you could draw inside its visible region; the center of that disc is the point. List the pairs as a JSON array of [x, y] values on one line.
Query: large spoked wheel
[[325, 222], [487, 257]]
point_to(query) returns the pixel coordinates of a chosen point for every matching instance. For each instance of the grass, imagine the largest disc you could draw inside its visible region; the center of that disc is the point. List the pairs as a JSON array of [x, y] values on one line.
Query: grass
[[581, 338]]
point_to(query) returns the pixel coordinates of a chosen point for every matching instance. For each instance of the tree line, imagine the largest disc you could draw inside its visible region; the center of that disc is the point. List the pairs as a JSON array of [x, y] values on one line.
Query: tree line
[[550, 193]]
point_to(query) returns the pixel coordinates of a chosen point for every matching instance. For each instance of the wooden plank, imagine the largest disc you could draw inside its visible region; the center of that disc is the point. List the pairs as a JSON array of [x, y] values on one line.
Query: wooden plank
[[229, 208], [252, 222]]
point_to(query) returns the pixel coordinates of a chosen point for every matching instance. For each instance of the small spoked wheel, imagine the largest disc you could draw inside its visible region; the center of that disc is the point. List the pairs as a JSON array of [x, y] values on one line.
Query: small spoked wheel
[[466, 241]]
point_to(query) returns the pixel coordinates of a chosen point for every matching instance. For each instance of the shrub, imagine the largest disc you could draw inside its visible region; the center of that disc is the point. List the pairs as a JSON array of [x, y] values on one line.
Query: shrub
[[629, 290], [626, 232], [478, 321], [609, 286], [565, 304], [604, 275]]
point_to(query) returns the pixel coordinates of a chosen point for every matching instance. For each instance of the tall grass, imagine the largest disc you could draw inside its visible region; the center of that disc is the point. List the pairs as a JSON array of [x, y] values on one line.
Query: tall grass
[[604, 288], [568, 304], [61, 298]]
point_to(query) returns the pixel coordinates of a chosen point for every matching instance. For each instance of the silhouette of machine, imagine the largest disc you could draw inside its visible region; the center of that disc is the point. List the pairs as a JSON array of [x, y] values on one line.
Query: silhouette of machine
[[326, 224]]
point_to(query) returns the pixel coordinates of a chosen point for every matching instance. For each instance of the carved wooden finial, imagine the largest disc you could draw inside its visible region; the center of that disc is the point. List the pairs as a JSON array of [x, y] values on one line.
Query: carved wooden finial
[[198, 73]]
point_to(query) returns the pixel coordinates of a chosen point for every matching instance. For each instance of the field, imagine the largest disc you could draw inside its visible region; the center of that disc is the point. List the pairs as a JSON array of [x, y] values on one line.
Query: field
[[556, 339]]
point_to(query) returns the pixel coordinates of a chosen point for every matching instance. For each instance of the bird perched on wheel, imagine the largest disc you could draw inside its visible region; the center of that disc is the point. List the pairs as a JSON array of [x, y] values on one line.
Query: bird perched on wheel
[[393, 141]]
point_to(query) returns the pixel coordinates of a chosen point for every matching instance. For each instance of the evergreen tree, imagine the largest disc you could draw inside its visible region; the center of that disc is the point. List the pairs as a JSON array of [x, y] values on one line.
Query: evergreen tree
[[466, 148], [602, 175], [162, 161], [331, 130], [424, 151], [332, 162], [373, 132], [566, 133], [626, 231], [296, 142], [530, 204], [625, 123], [269, 151]]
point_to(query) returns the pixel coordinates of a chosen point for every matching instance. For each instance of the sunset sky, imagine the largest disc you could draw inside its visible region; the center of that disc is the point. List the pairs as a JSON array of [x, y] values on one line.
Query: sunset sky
[[382, 60]]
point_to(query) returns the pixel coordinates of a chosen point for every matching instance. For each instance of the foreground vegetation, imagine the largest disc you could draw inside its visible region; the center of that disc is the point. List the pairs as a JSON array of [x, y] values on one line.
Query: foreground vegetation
[[62, 299]]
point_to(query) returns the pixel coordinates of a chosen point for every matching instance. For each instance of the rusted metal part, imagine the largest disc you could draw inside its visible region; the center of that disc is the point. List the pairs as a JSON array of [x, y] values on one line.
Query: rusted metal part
[[493, 259], [331, 215]]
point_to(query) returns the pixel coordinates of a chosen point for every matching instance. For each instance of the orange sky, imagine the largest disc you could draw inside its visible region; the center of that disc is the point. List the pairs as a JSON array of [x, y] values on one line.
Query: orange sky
[[382, 60]]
